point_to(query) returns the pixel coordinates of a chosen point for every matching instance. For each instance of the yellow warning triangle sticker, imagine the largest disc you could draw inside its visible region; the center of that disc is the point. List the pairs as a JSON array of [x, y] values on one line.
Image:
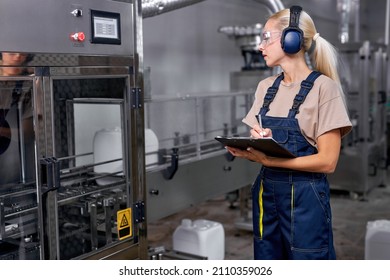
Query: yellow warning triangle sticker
[[124, 222]]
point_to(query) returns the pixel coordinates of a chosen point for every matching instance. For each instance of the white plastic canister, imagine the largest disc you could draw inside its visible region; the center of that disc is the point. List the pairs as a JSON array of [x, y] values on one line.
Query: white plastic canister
[[151, 147], [200, 237], [107, 145], [377, 241]]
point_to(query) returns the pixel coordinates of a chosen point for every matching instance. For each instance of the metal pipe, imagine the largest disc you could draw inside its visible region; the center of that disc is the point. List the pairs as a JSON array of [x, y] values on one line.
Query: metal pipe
[[22, 146], [152, 8], [273, 5], [344, 8], [387, 22], [356, 6], [250, 30]]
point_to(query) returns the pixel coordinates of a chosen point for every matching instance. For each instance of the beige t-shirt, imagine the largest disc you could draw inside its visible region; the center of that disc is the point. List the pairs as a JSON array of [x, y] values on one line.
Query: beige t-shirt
[[323, 109]]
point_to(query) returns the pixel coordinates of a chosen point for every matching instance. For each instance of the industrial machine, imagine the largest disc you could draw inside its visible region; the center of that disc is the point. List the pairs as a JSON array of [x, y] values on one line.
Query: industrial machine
[[72, 172], [363, 158]]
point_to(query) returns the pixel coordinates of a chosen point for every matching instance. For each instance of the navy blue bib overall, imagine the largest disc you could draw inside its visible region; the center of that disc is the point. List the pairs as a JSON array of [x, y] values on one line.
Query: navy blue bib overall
[[291, 209]]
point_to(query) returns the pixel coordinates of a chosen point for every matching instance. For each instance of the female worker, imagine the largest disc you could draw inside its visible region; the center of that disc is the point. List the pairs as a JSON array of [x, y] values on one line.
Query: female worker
[[304, 111]]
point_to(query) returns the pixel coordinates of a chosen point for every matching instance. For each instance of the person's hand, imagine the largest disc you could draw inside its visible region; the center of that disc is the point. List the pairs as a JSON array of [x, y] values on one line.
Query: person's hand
[[249, 154], [258, 132]]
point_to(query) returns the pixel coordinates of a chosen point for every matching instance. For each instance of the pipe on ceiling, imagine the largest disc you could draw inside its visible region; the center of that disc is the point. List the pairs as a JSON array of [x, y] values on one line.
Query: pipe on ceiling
[[273, 5], [151, 8]]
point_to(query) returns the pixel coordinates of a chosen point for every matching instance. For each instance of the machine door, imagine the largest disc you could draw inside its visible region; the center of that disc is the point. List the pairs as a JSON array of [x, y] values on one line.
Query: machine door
[[19, 238], [86, 192]]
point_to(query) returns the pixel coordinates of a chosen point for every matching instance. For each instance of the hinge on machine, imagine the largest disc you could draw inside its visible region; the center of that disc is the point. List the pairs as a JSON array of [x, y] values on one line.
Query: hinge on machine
[[136, 98], [139, 212], [50, 174]]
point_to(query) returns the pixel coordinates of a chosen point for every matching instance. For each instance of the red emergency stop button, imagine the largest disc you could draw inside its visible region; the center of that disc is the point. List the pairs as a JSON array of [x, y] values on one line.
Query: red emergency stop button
[[78, 36]]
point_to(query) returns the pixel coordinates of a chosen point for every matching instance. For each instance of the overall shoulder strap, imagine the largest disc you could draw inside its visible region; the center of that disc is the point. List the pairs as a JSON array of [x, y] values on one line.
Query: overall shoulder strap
[[270, 95], [306, 86]]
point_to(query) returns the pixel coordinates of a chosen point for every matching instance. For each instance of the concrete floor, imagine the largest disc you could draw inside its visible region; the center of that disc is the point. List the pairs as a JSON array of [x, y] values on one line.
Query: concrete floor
[[350, 217]]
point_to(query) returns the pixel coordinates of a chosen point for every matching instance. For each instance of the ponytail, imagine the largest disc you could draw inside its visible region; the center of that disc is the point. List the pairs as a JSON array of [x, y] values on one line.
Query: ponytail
[[325, 58]]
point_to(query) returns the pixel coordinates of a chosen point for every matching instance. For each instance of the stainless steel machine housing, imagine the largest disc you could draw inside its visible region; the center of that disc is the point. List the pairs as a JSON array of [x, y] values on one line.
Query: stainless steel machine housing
[[81, 74]]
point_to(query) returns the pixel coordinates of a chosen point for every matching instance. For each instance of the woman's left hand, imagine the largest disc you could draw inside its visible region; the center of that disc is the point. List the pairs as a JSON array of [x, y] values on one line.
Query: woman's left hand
[[249, 154]]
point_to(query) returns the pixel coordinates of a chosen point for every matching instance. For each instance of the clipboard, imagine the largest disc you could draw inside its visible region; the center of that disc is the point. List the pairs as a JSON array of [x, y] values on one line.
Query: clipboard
[[267, 145]]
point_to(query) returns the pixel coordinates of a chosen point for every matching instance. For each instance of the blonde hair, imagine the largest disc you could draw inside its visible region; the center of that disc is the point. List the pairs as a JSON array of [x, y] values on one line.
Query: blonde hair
[[323, 54]]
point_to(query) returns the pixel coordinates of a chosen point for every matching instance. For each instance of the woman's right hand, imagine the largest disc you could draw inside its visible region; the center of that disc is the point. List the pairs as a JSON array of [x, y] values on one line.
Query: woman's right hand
[[257, 132]]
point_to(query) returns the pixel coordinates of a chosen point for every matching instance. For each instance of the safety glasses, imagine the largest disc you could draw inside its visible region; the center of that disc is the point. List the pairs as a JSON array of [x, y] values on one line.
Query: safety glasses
[[268, 37]]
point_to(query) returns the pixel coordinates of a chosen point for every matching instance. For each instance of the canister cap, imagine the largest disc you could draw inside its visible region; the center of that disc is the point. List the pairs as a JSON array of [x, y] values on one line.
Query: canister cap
[[186, 223]]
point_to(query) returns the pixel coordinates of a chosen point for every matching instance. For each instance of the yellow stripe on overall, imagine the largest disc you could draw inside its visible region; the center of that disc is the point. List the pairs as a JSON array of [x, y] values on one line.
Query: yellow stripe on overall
[[261, 210]]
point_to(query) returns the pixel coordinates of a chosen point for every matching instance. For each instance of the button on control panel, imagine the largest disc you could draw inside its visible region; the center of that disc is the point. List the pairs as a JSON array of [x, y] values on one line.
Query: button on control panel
[[77, 12], [77, 37]]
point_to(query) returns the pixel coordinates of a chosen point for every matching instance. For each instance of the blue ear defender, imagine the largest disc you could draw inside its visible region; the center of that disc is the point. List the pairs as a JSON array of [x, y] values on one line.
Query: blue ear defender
[[292, 36]]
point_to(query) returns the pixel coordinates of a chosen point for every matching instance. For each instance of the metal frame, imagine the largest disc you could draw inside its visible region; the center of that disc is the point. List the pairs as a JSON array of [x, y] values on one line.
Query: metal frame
[[75, 61]]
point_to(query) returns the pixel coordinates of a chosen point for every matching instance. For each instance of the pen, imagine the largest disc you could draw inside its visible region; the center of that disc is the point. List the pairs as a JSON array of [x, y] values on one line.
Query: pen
[[258, 117]]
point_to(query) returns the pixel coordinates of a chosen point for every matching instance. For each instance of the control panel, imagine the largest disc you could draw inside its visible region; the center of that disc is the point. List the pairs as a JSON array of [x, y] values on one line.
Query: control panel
[[101, 27]]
